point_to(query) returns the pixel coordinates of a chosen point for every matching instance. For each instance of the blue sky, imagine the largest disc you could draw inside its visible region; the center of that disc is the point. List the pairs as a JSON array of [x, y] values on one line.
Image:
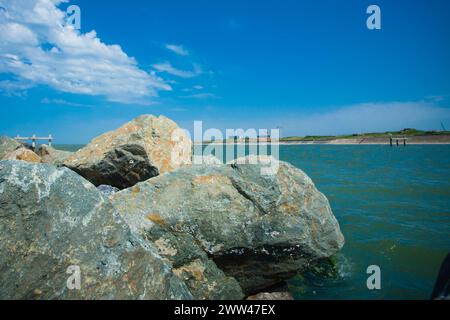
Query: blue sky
[[310, 67]]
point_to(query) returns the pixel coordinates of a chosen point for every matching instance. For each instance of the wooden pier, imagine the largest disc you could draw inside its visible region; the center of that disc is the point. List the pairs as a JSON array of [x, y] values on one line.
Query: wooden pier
[[397, 141], [33, 139]]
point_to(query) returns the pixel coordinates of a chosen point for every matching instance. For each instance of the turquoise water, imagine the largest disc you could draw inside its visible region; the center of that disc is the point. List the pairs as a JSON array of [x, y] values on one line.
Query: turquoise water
[[393, 206]]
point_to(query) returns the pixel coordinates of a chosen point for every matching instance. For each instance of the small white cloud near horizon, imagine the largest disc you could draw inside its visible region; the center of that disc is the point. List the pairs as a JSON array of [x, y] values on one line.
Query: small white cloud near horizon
[[177, 49], [37, 47], [369, 117]]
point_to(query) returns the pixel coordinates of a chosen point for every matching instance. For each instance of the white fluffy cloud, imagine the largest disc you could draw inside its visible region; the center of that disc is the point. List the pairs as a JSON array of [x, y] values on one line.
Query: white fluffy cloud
[[37, 47]]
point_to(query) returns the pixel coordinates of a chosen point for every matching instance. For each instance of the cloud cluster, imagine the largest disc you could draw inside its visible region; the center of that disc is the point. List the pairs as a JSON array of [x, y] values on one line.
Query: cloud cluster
[[38, 48], [167, 68], [369, 117]]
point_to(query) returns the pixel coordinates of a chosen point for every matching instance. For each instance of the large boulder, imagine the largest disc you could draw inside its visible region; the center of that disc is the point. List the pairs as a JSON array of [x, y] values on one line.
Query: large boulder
[[54, 224], [258, 228], [8, 145], [141, 149], [23, 154], [53, 156]]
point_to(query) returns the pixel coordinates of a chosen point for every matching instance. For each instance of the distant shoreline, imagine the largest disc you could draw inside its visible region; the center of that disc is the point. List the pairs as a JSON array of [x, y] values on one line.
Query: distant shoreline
[[359, 144], [281, 143], [437, 139]]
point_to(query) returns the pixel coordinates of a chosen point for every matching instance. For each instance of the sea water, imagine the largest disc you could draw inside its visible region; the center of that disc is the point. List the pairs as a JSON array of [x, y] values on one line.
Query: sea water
[[393, 206]]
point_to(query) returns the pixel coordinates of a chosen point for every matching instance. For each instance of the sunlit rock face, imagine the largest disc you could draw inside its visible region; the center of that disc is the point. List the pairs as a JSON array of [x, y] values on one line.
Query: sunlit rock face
[[143, 148], [23, 154]]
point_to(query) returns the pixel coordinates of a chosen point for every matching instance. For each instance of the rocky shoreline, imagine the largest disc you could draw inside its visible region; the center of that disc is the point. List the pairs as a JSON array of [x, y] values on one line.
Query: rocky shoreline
[[140, 221]]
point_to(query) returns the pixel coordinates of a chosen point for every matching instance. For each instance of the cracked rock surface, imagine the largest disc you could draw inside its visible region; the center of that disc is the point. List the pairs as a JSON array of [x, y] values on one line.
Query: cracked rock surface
[[259, 229]]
